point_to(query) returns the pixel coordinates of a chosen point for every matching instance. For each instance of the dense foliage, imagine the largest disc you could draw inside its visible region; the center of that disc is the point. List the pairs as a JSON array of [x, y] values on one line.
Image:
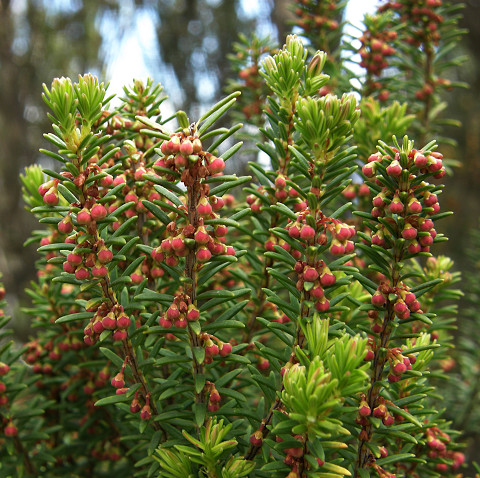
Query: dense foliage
[[295, 327]]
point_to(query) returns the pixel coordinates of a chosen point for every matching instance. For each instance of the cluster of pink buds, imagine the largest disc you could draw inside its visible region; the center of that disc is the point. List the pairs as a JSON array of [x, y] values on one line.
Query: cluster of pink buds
[[145, 411], [380, 410], [180, 312], [437, 443], [4, 369], [138, 192], [85, 264], [184, 154], [49, 192], [283, 190], [314, 16], [214, 346], [356, 190], [375, 50], [418, 161], [207, 241], [422, 18], [340, 232], [313, 279], [404, 304], [214, 397], [107, 318], [416, 228], [399, 364]]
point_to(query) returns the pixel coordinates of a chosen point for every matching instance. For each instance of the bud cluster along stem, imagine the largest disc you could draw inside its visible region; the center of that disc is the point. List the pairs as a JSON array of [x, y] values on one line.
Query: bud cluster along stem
[[402, 226], [195, 235]]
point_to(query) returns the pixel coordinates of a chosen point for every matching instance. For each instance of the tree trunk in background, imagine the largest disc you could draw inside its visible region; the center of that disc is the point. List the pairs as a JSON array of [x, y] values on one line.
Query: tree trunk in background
[[15, 154]]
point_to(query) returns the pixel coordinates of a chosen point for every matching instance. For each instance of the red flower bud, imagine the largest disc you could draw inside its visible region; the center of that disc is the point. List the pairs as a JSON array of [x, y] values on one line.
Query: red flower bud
[[118, 381], [104, 256], [216, 166], [307, 233], [84, 217], [65, 226], [97, 212]]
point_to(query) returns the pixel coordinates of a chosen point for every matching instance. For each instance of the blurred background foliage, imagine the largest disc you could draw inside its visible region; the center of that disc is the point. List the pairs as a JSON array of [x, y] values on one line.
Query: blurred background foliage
[[184, 45]]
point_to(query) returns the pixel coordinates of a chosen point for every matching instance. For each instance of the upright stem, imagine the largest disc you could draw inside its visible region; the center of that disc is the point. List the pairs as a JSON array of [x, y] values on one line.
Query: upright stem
[[193, 196], [379, 361]]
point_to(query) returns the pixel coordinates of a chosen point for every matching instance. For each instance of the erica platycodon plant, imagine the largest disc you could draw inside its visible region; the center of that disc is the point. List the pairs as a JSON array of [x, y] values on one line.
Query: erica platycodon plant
[[187, 327]]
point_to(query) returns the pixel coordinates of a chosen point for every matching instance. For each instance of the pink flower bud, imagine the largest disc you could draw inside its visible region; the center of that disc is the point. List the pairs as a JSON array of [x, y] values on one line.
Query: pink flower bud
[[119, 180], [10, 430], [317, 292], [327, 279], [99, 270], [109, 322], [420, 160], [322, 305], [225, 349], [81, 273], [203, 255], [307, 233], [165, 323], [181, 323], [409, 232], [106, 181], [369, 170], [216, 166], [364, 409], [104, 256], [193, 313], [280, 182], [173, 312], [4, 368], [379, 412], [220, 230], [201, 235], [118, 381], [204, 208], [212, 349], [180, 161], [337, 248], [378, 299], [146, 413], [430, 199], [394, 169], [98, 212], [399, 368], [178, 244], [197, 146], [135, 405], [84, 217], [186, 148], [65, 226], [294, 231], [51, 197], [119, 335], [414, 206], [123, 322], [310, 274], [396, 206]]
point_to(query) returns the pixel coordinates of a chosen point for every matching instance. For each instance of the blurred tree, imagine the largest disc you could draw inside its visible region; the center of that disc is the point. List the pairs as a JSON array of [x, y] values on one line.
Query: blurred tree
[[38, 40]]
